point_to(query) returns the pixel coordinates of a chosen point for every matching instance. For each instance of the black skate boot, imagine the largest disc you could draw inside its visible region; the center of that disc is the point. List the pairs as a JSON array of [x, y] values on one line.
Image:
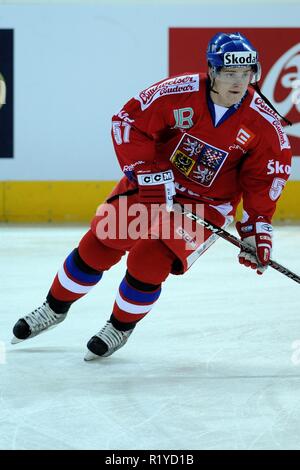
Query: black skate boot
[[36, 322], [106, 342]]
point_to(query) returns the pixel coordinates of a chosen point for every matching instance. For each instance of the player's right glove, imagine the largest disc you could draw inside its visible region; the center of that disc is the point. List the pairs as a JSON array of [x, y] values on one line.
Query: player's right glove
[[156, 187], [258, 235]]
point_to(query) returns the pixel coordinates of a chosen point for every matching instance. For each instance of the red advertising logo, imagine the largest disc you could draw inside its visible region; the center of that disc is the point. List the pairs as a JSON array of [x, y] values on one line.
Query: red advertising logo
[[279, 54]]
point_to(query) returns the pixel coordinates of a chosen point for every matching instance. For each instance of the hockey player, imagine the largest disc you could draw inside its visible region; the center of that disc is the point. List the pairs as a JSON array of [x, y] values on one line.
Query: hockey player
[[200, 139]]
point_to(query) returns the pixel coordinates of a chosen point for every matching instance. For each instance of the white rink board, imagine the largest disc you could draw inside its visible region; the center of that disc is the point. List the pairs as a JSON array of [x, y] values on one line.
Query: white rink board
[[212, 367]]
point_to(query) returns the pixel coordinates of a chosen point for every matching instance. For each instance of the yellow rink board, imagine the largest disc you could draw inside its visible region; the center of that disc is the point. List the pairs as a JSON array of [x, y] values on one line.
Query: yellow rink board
[[77, 201]]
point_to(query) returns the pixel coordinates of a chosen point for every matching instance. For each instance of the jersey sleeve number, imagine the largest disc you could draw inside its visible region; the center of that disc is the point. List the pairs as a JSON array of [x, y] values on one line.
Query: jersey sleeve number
[[121, 131]]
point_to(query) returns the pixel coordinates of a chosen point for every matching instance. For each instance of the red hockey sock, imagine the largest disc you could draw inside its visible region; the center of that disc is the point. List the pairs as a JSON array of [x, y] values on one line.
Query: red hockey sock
[[149, 263], [81, 271], [133, 301]]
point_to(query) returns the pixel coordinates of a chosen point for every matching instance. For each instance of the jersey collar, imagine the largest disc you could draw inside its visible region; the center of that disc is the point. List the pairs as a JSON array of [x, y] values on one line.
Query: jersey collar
[[228, 113]]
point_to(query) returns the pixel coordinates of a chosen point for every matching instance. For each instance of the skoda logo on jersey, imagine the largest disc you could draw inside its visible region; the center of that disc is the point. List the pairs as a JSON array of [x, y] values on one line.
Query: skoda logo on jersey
[[240, 58]]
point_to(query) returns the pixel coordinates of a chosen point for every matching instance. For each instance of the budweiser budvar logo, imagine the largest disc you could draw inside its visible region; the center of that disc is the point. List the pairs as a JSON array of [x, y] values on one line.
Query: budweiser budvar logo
[[259, 105], [182, 84], [285, 74]]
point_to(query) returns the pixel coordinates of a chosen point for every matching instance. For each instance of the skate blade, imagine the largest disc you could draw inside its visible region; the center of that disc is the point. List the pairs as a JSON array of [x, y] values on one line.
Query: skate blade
[[16, 340], [91, 356]]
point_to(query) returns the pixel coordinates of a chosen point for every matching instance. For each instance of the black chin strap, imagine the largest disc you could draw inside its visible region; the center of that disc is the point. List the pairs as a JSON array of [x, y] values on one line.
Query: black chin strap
[[211, 85], [258, 90]]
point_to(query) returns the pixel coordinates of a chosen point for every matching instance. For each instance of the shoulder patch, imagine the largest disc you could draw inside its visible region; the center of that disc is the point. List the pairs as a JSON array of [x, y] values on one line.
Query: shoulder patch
[[171, 86], [259, 105]]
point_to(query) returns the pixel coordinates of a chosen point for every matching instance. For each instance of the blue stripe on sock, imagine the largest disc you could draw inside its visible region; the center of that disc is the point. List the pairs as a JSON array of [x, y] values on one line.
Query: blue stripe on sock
[[130, 293], [79, 275]]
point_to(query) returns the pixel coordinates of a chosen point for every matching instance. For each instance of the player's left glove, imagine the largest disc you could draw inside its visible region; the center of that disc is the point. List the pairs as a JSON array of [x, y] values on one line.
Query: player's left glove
[[258, 235], [156, 187]]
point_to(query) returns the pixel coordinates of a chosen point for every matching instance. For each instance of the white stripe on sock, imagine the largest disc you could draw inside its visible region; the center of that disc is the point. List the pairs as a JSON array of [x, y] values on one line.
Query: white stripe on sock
[[70, 285], [132, 308]]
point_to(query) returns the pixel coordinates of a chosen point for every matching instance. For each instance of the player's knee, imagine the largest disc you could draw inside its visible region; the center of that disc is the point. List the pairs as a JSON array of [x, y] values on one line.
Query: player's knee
[[96, 255], [150, 261]]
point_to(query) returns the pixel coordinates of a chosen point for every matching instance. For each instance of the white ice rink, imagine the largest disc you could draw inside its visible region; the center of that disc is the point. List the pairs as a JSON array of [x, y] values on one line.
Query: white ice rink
[[215, 365]]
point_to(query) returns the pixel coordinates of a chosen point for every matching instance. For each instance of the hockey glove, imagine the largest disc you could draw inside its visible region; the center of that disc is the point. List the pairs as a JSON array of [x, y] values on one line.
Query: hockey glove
[[258, 235], [156, 187]]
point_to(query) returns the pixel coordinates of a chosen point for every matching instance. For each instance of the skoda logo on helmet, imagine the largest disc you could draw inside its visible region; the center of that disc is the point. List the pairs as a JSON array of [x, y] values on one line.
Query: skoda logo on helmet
[[232, 50], [240, 58]]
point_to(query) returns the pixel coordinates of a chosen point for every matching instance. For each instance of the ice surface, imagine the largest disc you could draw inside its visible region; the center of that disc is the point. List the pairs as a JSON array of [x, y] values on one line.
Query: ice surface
[[215, 365]]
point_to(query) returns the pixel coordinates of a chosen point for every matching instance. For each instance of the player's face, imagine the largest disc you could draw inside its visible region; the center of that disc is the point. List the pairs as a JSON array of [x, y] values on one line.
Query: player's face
[[231, 84]]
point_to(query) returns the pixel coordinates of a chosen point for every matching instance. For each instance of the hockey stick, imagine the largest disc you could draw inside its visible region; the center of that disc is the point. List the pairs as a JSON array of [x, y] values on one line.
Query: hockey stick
[[236, 241]]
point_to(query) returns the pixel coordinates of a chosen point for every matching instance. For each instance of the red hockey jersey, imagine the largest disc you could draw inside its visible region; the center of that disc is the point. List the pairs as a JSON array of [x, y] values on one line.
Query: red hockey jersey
[[172, 123]]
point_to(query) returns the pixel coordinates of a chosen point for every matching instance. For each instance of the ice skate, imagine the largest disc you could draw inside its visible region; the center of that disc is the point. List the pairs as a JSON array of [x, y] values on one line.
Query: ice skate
[[36, 322], [106, 342]]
